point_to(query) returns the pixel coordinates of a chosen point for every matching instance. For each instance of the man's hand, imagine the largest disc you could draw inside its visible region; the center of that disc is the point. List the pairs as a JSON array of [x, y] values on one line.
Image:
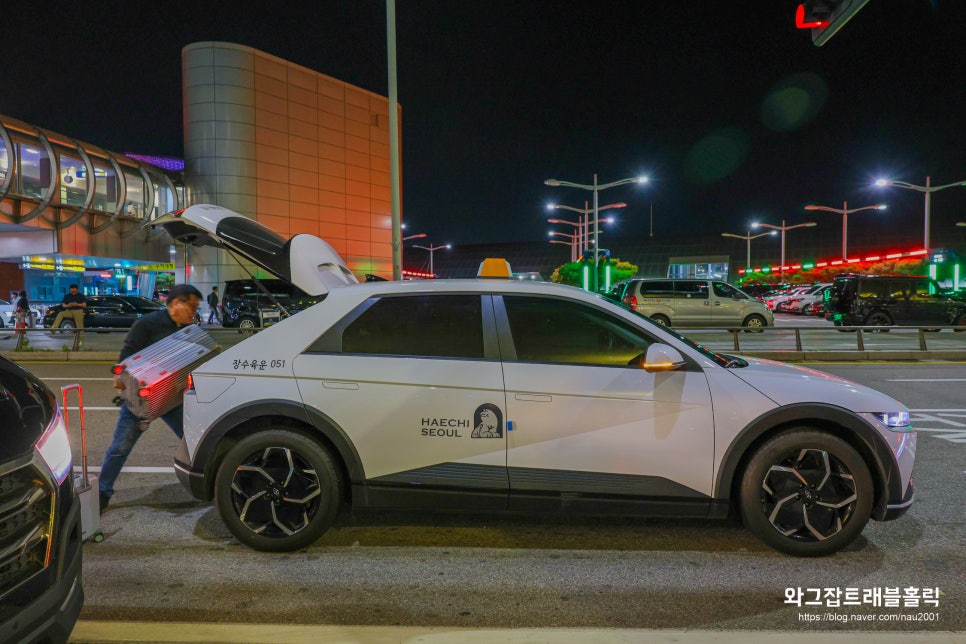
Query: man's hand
[[118, 384]]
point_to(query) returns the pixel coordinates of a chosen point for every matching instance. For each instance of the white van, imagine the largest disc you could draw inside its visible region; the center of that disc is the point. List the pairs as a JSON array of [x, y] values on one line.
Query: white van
[[695, 303]]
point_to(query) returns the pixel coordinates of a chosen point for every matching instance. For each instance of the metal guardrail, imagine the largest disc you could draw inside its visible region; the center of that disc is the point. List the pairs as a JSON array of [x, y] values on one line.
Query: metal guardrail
[[922, 332]]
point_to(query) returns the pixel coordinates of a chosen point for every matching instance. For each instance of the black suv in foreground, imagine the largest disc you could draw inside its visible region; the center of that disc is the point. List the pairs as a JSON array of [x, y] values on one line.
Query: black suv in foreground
[[243, 303], [40, 531], [885, 300]]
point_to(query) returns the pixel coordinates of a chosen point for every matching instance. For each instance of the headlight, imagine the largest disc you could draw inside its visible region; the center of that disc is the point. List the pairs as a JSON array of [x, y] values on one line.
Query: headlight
[[54, 448], [893, 419]]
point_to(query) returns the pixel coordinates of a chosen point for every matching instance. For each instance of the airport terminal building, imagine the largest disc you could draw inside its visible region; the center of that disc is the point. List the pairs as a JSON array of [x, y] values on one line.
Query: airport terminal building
[[294, 149]]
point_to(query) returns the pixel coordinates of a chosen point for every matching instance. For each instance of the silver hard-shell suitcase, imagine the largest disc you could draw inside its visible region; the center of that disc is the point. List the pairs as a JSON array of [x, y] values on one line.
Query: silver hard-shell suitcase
[[155, 378], [85, 484]]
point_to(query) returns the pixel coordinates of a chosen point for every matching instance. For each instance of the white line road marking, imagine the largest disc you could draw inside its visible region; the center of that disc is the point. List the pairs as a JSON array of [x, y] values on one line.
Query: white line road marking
[[954, 431], [79, 379], [136, 469]]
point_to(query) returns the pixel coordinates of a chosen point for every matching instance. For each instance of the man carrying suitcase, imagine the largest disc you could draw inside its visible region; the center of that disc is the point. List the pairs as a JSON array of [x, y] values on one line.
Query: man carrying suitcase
[[181, 306]]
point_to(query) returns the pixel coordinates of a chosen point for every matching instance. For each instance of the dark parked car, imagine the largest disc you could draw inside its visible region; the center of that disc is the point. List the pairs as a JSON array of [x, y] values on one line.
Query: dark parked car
[[245, 306], [107, 311], [884, 300], [40, 531]]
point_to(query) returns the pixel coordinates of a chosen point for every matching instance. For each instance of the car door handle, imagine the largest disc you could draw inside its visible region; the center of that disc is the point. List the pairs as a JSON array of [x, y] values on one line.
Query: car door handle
[[533, 397], [339, 384]]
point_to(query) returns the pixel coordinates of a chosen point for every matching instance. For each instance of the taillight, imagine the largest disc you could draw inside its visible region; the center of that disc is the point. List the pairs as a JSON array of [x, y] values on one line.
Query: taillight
[[630, 301], [144, 392], [190, 384], [117, 369]]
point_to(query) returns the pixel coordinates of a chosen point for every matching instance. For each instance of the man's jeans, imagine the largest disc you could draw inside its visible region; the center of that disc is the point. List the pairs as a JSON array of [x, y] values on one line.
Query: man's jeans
[[126, 434]]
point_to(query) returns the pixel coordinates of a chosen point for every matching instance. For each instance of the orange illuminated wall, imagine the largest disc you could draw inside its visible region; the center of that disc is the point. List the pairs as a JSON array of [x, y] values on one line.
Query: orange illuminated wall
[[298, 151]]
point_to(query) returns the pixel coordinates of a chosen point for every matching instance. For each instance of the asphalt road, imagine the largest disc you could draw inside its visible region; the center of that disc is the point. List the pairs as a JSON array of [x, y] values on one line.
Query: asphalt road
[[167, 557]]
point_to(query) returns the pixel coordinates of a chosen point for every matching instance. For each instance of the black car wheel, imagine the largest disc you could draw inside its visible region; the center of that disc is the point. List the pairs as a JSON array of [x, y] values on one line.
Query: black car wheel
[[278, 490], [247, 324], [960, 323], [661, 319], [806, 493], [878, 319]]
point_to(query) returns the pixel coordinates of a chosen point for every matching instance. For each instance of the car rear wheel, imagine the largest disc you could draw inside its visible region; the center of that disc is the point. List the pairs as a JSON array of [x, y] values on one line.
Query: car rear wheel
[[247, 325], [878, 319], [960, 323], [278, 490], [67, 325], [806, 493], [661, 319], [754, 323]]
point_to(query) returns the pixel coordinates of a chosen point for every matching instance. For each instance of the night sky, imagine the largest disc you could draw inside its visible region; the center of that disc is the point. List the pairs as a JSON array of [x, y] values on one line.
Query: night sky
[[732, 112]]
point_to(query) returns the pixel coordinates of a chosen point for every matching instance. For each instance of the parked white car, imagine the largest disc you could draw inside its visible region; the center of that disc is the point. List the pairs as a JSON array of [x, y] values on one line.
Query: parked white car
[[508, 395], [8, 314], [800, 303]]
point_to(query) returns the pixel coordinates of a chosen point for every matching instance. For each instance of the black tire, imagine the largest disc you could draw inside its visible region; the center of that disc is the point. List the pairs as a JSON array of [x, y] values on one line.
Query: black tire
[[806, 493], [878, 318], [247, 324], [661, 319], [66, 326], [754, 323], [960, 324], [278, 490]]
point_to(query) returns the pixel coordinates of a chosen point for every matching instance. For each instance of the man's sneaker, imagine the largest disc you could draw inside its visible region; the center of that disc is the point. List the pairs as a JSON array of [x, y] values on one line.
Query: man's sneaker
[[105, 500]]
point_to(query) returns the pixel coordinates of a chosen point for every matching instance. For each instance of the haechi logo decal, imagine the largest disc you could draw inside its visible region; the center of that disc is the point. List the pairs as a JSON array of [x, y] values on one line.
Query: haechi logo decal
[[487, 423]]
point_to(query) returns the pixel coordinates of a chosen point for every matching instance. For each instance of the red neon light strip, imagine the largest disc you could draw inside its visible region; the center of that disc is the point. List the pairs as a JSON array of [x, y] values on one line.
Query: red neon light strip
[[837, 263], [918, 252], [893, 255], [872, 259]]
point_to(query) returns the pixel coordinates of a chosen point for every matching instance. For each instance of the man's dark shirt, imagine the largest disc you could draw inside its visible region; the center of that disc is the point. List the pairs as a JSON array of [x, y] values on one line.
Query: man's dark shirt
[[146, 331], [74, 297]]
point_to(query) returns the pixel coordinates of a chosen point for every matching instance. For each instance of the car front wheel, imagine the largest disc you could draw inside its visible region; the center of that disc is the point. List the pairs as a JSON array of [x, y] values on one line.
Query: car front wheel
[[806, 493], [278, 490]]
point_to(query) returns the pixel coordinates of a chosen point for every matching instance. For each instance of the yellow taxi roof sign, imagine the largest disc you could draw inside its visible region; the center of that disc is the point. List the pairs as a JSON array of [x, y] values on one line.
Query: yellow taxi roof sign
[[495, 267]]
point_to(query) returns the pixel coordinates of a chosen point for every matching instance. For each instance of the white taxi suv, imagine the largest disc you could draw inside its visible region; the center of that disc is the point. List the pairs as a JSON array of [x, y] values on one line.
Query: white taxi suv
[[508, 395]]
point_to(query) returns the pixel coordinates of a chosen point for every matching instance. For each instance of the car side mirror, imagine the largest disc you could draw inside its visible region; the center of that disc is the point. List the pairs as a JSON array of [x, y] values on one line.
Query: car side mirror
[[662, 357]]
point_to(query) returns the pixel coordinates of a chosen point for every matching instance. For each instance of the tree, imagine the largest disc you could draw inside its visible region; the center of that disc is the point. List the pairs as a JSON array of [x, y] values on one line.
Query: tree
[[572, 273]]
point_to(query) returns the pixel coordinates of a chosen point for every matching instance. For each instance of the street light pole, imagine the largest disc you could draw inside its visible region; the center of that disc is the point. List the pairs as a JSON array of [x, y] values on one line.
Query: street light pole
[[596, 188], [432, 249], [844, 211], [583, 222], [783, 228], [748, 238], [928, 189], [573, 243]]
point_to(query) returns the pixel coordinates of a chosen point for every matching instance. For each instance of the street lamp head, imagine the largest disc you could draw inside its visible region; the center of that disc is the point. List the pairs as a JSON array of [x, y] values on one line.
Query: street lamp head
[[881, 206], [552, 182], [809, 224], [773, 233], [449, 246], [642, 179], [551, 206], [883, 182], [755, 224]]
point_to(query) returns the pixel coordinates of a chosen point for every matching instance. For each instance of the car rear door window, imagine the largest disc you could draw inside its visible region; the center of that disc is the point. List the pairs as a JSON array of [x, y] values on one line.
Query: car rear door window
[[691, 289], [421, 325]]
